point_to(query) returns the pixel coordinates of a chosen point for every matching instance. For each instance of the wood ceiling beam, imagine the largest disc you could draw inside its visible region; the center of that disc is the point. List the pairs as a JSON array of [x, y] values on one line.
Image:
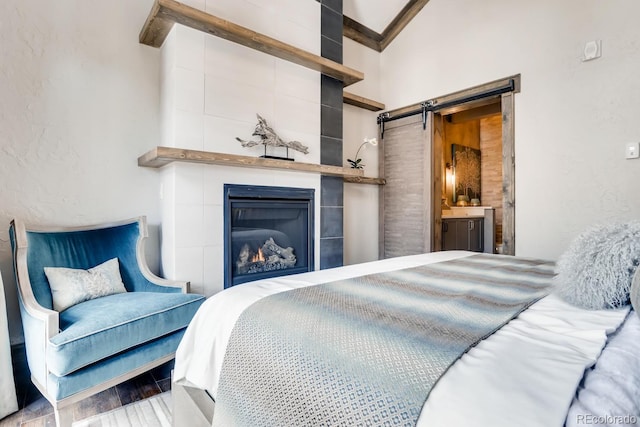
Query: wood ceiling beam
[[376, 41], [361, 34], [402, 19]]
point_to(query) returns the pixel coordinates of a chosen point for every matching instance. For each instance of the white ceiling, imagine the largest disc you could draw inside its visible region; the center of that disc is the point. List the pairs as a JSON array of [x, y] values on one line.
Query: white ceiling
[[375, 14]]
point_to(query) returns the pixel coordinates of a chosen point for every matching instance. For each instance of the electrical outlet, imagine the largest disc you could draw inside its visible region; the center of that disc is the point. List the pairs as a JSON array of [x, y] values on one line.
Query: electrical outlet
[[592, 50], [632, 150]]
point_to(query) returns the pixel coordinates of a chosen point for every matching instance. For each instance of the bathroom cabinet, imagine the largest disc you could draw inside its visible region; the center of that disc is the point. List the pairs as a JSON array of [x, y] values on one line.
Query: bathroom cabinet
[[463, 234]]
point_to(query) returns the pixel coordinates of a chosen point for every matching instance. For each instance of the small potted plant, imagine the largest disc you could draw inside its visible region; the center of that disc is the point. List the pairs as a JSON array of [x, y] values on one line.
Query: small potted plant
[[357, 163]]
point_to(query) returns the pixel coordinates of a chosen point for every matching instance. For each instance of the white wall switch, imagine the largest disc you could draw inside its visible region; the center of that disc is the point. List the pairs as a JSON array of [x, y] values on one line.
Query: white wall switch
[[632, 150]]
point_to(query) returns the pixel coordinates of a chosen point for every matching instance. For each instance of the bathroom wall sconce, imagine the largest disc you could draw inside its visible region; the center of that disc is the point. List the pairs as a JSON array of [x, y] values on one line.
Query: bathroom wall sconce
[[449, 177]]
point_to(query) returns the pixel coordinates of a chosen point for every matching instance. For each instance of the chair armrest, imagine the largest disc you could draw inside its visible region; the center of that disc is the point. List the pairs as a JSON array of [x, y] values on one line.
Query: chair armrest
[[40, 324], [185, 287], [49, 318], [25, 292], [144, 268]]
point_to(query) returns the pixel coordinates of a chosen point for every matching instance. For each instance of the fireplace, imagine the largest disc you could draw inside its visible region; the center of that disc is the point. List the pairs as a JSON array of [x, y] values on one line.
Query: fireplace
[[268, 232]]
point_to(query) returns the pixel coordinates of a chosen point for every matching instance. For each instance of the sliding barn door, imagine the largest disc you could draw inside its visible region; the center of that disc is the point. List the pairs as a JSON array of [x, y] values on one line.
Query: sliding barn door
[[406, 199]]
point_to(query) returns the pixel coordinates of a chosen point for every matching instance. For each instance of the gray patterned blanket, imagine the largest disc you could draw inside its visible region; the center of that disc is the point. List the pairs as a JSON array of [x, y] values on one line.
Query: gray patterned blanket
[[367, 350]]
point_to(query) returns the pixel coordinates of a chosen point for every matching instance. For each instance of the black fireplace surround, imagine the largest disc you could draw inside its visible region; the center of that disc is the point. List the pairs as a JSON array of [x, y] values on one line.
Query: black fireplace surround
[[268, 232]]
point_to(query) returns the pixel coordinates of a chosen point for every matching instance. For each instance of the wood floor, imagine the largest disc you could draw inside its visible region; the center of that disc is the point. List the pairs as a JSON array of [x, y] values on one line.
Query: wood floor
[[36, 411]]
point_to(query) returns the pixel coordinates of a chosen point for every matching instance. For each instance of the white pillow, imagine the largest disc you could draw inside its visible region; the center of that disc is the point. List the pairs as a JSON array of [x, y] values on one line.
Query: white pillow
[[635, 291], [596, 270], [71, 286]]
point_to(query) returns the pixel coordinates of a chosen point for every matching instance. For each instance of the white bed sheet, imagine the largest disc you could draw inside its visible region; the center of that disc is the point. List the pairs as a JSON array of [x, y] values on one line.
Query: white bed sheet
[[525, 374]]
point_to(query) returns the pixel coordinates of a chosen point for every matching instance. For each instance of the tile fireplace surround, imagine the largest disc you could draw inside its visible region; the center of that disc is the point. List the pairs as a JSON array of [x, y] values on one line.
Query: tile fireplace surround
[[211, 92]]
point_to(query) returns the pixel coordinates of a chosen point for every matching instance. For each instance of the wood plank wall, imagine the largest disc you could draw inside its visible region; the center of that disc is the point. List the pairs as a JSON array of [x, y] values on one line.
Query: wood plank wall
[[491, 173]]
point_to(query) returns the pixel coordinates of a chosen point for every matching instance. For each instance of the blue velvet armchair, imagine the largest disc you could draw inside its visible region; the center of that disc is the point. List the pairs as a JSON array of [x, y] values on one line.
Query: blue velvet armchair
[[98, 343]]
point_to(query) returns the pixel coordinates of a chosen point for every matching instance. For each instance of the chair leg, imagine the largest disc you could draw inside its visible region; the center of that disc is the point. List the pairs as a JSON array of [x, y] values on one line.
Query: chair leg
[[64, 416]]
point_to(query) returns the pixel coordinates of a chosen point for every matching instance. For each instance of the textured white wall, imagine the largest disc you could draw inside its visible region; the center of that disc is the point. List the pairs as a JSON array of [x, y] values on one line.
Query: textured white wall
[[80, 103], [361, 200], [572, 118], [212, 90]]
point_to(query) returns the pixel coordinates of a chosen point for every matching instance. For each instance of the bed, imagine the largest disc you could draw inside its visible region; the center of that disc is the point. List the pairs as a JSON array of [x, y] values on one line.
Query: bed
[[525, 371]]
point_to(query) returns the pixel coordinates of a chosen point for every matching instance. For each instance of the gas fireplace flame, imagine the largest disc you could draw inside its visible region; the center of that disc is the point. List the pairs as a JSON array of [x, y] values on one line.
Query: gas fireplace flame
[[259, 257], [270, 257]]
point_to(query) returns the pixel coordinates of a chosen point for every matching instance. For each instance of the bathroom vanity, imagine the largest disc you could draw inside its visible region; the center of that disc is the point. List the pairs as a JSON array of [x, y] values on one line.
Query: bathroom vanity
[[469, 229]]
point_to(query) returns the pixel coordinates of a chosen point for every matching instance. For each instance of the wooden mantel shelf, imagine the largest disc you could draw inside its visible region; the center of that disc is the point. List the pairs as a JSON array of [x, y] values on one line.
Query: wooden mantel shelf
[[365, 180], [165, 13], [161, 156]]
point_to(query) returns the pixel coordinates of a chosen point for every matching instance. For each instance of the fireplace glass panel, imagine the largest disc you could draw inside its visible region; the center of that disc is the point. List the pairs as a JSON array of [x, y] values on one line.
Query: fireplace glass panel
[[267, 236]]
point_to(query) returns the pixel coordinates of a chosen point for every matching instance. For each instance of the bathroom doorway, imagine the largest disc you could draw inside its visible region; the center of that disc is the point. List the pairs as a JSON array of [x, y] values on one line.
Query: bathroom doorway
[[473, 159], [413, 141], [472, 171]]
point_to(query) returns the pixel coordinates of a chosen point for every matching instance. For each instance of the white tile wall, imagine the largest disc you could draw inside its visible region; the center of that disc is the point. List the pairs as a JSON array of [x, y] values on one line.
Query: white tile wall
[[213, 232], [303, 13], [189, 90], [212, 90], [295, 114], [299, 35], [278, 19], [213, 280], [220, 135], [167, 197], [296, 81], [190, 266], [189, 184], [189, 226], [190, 56], [168, 90], [230, 61], [237, 101], [191, 129], [256, 15]]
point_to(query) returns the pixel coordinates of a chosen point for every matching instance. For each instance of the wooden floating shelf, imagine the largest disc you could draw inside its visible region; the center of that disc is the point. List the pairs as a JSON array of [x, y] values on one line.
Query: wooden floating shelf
[[161, 156], [361, 102], [365, 180], [164, 13]]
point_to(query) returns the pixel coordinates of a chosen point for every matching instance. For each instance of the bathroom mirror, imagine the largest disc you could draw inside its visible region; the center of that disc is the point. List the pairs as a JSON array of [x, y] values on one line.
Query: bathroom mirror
[[466, 164]]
